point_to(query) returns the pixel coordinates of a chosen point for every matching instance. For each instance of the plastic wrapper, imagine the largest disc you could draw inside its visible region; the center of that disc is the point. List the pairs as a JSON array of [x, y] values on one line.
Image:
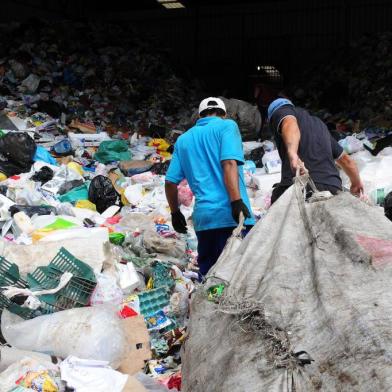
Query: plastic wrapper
[[90, 333]]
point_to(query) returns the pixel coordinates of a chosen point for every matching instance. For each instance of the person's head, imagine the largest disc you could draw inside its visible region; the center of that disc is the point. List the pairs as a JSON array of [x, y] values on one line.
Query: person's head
[[212, 107]]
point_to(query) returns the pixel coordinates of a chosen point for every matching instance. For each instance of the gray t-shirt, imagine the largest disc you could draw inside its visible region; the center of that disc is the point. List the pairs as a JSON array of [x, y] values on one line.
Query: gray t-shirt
[[317, 148]]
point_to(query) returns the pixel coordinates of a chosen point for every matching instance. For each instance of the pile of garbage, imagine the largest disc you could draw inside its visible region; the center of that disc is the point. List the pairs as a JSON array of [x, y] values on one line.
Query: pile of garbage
[[92, 77], [92, 272], [352, 88]]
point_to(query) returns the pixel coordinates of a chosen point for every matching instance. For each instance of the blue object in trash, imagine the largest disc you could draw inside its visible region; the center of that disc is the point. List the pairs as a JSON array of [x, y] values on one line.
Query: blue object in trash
[[43, 155], [250, 166], [63, 147]]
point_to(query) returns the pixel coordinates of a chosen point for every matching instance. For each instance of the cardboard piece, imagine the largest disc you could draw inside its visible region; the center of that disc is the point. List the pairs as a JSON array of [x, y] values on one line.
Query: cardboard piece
[[139, 342], [133, 385]]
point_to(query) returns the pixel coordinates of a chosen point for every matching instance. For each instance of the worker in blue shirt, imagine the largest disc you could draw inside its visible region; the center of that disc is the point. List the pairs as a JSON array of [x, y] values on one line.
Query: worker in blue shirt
[[210, 157]]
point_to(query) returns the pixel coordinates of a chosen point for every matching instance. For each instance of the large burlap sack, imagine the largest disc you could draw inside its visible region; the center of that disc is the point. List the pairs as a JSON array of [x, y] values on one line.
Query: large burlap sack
[[307, 304]]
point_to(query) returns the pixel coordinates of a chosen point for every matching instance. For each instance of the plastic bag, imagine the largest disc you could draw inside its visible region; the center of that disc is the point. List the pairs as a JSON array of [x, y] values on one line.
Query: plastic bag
[[43, 155], [32, 210], [102, 193], [256, 155], [351, 144], [272, 162], [44, 175], [18, 147], [112, 150], [89, 333], [64, 175], [106, 292], [78, 193], [134, 194], [185, 195]]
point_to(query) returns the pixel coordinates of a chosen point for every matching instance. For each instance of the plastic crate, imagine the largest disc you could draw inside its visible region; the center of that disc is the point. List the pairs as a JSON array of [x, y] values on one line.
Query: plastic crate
[[75, 294], [65, 262], [9, 274], [6, 303]]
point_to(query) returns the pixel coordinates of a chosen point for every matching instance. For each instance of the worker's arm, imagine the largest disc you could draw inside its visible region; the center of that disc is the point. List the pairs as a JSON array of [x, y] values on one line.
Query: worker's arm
[[230, 176], [172, 195], [178, 219], [351, 169], [291, 136]]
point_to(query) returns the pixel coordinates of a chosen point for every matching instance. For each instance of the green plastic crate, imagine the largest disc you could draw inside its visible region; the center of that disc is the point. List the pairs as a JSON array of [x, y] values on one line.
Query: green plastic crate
[[65, 262], [75, 294], [9, 274]]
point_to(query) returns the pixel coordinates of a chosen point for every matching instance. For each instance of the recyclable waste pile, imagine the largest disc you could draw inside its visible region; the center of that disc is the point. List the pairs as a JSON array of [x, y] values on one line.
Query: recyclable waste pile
[[92, 77], [91, 271], [352, 88]]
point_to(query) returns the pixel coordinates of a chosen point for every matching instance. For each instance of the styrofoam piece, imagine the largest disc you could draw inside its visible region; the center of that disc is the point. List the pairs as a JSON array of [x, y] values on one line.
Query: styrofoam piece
[[110, 211], [22, 223], [128, 278]]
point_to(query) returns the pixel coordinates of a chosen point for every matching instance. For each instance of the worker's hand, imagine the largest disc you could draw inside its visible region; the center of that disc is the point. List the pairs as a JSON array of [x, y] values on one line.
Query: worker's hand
[[296, 163], [357, 188], [179, 222], [237, 207]]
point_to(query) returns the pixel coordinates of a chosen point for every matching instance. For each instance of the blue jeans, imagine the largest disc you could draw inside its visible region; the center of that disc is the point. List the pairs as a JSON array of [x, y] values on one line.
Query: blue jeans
[[210, 246]]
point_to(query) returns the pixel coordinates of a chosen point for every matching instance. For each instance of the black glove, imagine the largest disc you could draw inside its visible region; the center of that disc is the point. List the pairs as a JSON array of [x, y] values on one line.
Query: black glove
[[179, 222], [237, 207]]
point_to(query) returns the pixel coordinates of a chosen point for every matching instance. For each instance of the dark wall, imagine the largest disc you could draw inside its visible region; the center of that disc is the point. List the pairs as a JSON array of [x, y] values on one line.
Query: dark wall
[[223, 44]]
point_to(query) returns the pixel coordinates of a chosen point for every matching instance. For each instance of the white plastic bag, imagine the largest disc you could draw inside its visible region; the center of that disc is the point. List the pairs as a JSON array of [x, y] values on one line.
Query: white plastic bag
[[90, 333], [271, 161], [107, 291], [90, 375], [351, 144]]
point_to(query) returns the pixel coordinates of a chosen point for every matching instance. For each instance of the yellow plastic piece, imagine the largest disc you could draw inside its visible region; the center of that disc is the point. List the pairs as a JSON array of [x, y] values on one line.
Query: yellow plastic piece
[[86, 204], [76, 167], [3, 177], [150, 284]]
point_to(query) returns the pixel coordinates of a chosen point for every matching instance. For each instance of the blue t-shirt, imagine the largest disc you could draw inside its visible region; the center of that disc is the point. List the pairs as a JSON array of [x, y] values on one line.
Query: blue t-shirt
[[197, 157]]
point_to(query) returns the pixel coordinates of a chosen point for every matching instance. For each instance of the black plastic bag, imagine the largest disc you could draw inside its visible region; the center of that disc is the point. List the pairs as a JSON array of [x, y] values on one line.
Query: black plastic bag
[[388, 206], [256, 156], [44, 175], [19, 148], [102, 193], [10, 168], [32, 210]]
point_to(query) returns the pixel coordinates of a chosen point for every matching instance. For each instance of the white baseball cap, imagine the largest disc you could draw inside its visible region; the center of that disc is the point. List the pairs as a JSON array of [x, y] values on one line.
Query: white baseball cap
[[212, 103]]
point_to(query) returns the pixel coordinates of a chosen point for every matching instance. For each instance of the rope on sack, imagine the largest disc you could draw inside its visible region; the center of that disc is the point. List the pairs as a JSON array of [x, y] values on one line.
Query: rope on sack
[[238, 230], [300, 184]]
